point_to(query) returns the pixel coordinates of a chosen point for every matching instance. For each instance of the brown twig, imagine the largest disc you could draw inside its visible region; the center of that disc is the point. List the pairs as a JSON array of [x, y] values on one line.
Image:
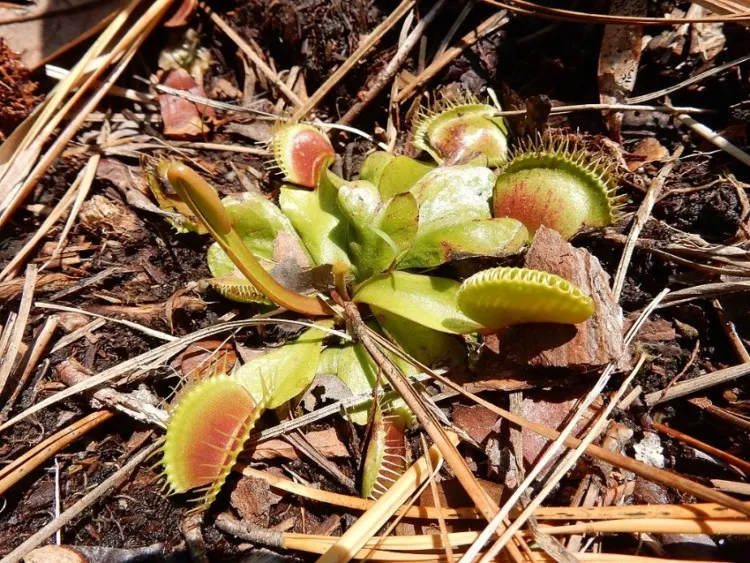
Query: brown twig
[[488, 26], [364, 46], [387, 74], [710, 450], [252, 55], [436, 496], [28, 462], [697, 384], [705, 404], [640, 219]]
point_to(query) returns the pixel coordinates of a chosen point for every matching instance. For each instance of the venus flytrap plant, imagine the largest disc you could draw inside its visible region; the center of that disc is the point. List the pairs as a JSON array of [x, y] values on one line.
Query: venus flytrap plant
[[401, 214], [205, 204], [212, 419]]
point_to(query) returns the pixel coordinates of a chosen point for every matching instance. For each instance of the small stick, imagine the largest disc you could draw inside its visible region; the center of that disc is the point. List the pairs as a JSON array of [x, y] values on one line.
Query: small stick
[[252, 55], [705, 404], [26, 463], [710, 450], [40, 345], [488, 26], [654, 526], [688, 82], [436, 493], [731, 332], [119, 477], [354, 58], [8, 362], [697, 384], [460, 19], [640, 219], [713, 137], [387, 74]]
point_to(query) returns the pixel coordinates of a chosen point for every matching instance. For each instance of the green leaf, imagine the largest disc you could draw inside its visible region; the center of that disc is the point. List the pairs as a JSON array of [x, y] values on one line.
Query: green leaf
[[266, 232], [316, 217], [373, 166], [454, 194], [427, 300], [429, 347], [379, 233], [483, 237], [285, 372], [359, 374], [400, 175], [329, 360]]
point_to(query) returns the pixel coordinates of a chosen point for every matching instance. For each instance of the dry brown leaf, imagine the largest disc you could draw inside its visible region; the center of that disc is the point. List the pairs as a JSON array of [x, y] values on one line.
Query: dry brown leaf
[[183, 118], [41, 38], [325, 441], [253, 499], [619, 58], [111, 219], [207, 358], [647, 150]]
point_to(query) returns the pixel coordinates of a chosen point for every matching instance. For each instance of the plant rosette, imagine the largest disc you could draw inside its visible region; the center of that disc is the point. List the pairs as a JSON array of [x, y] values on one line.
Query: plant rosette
[[380, 233]]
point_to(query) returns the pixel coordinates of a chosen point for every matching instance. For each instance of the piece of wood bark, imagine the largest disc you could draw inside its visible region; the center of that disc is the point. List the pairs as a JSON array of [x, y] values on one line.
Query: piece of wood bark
[[580, 347]]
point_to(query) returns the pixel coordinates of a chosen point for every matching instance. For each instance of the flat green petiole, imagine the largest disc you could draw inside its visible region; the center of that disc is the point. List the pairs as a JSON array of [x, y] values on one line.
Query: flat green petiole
[[205, 204]]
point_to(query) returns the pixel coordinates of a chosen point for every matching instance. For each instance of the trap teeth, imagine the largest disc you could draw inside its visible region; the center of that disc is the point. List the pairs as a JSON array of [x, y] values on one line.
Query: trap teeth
[[547, 183], [302, 153], [457, 131], [500, 297], [206, 432]]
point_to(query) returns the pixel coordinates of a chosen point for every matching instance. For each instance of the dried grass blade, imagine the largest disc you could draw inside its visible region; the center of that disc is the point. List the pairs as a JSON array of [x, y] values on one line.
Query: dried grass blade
[[8, 361], [37, 455], [364, 46], [356, 537]]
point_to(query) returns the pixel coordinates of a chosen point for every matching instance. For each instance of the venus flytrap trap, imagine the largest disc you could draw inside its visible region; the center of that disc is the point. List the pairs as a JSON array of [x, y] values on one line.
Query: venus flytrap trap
[[461, 129], [545, 183], [380, 233], [302, 153]]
